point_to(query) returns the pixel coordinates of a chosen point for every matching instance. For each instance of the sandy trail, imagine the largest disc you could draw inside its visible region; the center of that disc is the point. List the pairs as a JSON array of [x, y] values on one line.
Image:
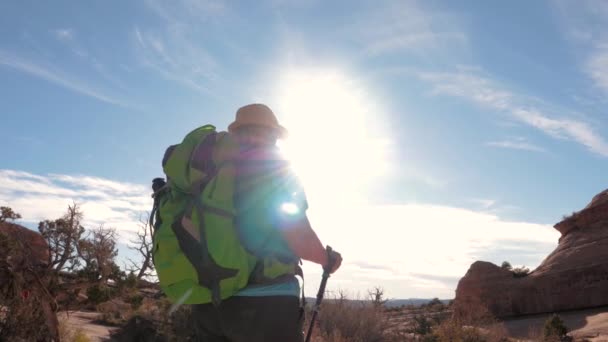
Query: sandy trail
[[85, 321]]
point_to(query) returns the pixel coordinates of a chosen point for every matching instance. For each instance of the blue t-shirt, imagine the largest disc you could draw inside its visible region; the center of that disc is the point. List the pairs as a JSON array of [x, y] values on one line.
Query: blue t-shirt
[[267, 193]]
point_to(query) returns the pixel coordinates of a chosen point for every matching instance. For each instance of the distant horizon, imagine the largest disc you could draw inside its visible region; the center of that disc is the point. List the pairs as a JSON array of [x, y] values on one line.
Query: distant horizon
[[427, 134]]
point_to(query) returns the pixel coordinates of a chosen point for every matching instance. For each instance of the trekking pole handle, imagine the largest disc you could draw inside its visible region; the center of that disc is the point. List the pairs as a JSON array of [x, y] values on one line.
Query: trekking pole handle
[[331, 260]]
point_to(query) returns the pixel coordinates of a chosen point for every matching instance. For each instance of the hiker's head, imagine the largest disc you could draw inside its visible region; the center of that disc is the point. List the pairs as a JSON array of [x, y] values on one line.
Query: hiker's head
[[256, 125]]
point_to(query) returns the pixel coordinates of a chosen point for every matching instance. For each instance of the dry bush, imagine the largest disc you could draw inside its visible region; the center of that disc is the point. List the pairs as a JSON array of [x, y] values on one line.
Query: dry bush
[[472, 321], [474, 313], [453, 330], [69, 334], [352, 321], [341, 320], [114, 312], [155, 320]]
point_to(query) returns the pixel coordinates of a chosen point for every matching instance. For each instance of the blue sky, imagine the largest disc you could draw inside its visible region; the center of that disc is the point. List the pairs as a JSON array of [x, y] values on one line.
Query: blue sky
[[447, 131]]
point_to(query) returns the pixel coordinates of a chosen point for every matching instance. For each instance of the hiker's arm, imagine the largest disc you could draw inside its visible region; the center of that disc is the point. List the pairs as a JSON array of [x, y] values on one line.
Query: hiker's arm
[[303, 241]]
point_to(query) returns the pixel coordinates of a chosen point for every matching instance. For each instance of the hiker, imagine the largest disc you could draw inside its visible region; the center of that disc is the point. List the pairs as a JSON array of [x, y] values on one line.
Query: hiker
[[272, 221], [230, 229]]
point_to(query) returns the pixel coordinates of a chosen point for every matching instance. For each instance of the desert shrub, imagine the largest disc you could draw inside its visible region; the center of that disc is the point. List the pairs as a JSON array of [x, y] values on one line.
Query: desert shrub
[[555, 329], [114, 312], [69, 334], [131, 281], [135, 301], [506, 266], [434, 302], [352, 321], [80, 336], [422, 326], [156, 321], [473, 312], [452, 330], [98, 294], [519, 272]]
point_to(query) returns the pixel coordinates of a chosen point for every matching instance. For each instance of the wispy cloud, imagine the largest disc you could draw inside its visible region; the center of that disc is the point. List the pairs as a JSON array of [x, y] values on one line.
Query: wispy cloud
[[177, 50], [39, 197], [63, 34], [516, 144], [597, 67], [68, 37], [406, 26], [175, 57], [54, 76], [186, 10], [484, 202], [486, 92], [586, 26]]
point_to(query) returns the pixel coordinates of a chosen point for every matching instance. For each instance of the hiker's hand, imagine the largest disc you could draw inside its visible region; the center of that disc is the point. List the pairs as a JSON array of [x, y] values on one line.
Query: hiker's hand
[[334, 260]]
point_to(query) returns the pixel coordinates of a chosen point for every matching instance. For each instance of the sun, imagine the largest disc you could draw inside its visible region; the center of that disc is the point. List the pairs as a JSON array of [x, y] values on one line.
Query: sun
[[330, 144]]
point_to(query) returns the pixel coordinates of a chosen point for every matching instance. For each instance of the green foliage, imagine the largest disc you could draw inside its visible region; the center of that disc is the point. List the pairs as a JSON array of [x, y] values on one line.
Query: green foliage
[[555, 329], [422, 326], [434, 302], [116, 273], [6, 214], [135, 301], [63, 236], [98, 294], [128, 282], [506, 266]]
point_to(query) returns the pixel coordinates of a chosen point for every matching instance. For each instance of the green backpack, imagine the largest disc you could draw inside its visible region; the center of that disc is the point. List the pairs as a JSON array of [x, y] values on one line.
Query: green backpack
[[198, 254]]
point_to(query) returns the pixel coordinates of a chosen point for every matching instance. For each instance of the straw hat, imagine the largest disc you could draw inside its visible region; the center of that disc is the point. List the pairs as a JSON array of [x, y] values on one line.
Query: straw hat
[[257, 115]]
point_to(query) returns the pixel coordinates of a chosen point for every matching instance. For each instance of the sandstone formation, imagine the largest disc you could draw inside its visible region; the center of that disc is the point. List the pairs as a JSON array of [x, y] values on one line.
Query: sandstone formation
[[27, 306], [33, 249], [573, 276]]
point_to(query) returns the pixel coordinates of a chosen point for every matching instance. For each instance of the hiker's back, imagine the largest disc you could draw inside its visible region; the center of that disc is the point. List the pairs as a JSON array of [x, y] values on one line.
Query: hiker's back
[[197, 251], [264, 184]]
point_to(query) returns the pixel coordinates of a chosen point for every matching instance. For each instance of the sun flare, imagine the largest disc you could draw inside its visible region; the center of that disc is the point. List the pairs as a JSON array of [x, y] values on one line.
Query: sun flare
[[330, 145]]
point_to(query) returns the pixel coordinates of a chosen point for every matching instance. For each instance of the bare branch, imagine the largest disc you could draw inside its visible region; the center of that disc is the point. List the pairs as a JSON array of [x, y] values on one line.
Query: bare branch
[[143, 245]]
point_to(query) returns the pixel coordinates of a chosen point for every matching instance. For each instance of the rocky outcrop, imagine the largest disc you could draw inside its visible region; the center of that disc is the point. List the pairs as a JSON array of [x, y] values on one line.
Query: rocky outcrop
[[32, 248], [26, 302], [574, 276]]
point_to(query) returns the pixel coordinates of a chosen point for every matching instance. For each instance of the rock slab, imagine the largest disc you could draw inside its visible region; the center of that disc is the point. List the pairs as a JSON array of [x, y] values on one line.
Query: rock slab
[[574, 276]]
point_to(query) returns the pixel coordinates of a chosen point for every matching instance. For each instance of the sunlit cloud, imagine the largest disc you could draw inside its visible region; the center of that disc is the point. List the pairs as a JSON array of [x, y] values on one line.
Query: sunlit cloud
[[387, 245], [39, 197], [392, 246]]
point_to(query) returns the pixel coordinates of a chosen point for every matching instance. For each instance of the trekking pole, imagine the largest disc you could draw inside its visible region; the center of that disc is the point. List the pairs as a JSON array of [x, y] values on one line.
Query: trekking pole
[[326, 272]]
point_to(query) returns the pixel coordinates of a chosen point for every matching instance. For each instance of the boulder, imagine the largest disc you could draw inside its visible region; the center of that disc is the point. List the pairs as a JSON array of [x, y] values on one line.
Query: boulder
[[573, 276], [31, 246]]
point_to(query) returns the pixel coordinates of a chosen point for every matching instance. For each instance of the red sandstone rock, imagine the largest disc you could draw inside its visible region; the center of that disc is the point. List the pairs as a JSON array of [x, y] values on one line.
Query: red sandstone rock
[[30, 243], [574, 276]]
